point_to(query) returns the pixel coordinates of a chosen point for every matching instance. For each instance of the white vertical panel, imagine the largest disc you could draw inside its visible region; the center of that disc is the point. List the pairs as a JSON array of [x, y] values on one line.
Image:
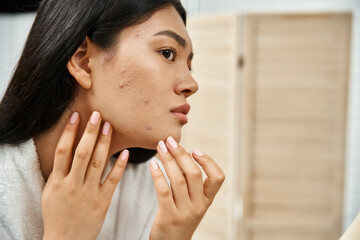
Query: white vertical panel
[[14, 29], [352, 194], [4, 50]]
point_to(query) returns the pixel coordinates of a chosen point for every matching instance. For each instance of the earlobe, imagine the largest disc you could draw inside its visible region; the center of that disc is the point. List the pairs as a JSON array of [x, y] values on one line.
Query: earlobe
[[78, 65]]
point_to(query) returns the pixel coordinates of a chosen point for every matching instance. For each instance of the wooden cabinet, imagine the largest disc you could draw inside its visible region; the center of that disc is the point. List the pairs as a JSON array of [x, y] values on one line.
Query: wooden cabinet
[[271, 110]]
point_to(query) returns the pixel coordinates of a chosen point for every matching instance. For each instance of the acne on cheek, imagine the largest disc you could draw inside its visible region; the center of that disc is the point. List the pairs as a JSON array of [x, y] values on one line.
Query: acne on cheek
[[124, 84]]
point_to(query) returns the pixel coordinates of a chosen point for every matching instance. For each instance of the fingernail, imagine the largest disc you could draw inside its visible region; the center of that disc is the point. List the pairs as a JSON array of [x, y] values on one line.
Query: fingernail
[[106, 128], [74, 117], [197, 152], [124, 154], [154, 164], [172, 142], [162, 146], [95, 117]]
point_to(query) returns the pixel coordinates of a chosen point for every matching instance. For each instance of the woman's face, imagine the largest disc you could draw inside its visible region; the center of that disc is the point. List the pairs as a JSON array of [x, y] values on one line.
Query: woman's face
[[145, 79]]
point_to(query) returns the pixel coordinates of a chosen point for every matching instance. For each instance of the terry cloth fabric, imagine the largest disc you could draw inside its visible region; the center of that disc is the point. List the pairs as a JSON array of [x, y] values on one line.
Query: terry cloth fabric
[[130, 215]]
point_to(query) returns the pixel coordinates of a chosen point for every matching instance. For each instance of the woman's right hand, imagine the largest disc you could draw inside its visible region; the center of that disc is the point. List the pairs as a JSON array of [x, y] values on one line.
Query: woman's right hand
[[74, 201]]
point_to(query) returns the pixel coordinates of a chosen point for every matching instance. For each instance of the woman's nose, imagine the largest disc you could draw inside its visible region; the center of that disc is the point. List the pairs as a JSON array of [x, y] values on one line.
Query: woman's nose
[[186, 86]]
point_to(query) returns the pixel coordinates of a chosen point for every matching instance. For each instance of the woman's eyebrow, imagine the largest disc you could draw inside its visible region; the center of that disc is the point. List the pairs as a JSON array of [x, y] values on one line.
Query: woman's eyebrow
[[180, 40]]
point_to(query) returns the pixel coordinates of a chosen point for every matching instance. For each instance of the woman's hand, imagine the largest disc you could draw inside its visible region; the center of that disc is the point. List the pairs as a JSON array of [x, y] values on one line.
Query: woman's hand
[[74, 201], [182, 207]]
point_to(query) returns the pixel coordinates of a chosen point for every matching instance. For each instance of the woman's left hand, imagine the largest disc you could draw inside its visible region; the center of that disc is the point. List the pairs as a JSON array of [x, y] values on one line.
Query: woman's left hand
[[182, 207]]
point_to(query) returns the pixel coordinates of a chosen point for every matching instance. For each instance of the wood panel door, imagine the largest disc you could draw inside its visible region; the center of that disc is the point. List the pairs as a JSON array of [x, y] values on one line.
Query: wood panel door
[[294, 123], [212, 123], [271, 110]]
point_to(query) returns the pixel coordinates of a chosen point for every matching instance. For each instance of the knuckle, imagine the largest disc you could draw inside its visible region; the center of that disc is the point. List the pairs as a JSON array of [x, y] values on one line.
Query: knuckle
[[200, 211], [158, 177], [103, 140], [196, 173], [71, 190], [183, 154], [95, 163], [82, 154], [92, 130], [164, 192], [114, 180], [221, 177], [61, 150], [180, 181], [178, 219], [120, 166]]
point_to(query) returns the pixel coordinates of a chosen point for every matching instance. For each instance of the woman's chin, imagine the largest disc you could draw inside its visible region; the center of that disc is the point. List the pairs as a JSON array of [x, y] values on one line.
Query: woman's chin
[[175, 135]]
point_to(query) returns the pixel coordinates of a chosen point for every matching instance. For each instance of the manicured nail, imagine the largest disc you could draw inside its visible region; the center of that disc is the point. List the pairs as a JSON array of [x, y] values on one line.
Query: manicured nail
[[124, 154], [106, 128], [154, 164], [172, 142], [197, 152], [74, 117], [95, 117], [162, 146]]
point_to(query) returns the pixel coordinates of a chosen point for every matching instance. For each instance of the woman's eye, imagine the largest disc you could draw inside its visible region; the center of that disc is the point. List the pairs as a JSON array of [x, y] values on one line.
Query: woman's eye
[[168, 54]]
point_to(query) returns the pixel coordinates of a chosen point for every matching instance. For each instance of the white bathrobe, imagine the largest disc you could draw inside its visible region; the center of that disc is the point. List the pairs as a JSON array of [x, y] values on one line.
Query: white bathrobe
[[130, 215]]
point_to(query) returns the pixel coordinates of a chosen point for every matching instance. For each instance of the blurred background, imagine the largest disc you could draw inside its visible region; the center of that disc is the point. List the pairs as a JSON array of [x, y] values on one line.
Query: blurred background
[[278, 108]]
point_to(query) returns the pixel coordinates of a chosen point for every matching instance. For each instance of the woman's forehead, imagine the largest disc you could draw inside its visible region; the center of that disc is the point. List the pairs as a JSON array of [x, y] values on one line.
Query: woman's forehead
[[165, 19]]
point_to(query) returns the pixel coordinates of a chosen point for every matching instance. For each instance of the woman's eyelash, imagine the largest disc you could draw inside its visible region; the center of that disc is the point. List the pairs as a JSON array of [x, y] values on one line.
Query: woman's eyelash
[[168, 53]]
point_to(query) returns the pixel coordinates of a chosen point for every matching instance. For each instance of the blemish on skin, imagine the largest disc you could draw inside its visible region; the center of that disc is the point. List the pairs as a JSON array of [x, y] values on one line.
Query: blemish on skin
[[148, 128], [124, 84], [147, 101]]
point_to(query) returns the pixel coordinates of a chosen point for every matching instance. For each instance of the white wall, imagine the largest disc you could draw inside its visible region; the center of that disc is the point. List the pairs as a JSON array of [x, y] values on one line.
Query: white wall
[[352, 181], [13, 32]]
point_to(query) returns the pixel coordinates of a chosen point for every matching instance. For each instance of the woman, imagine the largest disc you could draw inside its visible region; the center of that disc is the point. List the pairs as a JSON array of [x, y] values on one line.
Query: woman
[[96, 78]]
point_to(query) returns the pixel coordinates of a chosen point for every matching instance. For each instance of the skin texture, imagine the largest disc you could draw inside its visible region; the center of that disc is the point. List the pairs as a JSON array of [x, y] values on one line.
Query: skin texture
[[133, 87]]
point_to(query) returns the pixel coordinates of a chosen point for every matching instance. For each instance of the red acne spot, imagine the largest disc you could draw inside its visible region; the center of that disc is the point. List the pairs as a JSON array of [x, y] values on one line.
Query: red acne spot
[[124, 84], [148, 128], [147, 101]]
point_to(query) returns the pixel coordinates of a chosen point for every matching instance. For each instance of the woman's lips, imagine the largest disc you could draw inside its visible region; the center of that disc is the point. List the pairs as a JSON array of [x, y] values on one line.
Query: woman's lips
[[181, 116], [180, 112]]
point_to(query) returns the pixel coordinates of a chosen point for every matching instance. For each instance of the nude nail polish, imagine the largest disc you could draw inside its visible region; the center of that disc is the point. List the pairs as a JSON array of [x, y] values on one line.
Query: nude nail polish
[[154, 164], [163, 146], [172, 142], [95, 118], [197, 152], [74, 117], [124, 154], [106, 128]]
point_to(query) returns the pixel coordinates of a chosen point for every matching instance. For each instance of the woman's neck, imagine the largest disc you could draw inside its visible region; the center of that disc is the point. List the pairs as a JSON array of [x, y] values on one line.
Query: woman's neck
[[46, 142]]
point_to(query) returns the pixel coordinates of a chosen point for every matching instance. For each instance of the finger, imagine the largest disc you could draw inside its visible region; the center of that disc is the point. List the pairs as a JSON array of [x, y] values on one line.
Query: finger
[[63, 152], [85, 147], [215, 175], [165, 200], [114, 176], [99, 157], [177, 179], [191, 170]]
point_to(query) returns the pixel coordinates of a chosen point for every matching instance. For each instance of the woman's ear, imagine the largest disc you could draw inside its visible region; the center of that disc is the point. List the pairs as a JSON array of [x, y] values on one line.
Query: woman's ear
[[78, 64]]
